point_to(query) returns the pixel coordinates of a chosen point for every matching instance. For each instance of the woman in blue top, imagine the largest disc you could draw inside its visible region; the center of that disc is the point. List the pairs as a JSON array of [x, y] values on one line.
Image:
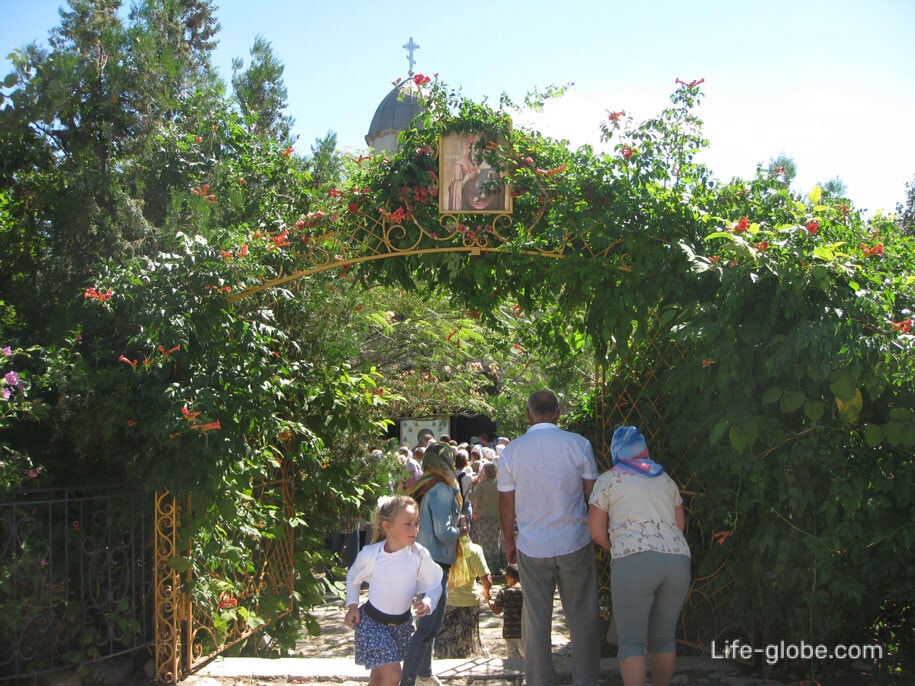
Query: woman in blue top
[[441, 522]]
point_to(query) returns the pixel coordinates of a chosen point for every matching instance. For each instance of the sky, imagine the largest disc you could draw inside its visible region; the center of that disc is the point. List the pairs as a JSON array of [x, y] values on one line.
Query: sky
[[829, 83]]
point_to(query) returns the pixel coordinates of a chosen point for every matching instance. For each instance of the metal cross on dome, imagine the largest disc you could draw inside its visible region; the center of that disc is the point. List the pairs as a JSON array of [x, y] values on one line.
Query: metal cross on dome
[[410, 47]]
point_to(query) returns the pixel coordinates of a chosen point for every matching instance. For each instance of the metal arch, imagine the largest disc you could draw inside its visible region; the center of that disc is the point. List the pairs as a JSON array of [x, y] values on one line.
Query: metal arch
[[379, 239]]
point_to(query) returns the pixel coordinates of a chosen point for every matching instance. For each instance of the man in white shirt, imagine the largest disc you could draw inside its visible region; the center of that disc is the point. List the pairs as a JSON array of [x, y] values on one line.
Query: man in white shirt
[[545, 478]]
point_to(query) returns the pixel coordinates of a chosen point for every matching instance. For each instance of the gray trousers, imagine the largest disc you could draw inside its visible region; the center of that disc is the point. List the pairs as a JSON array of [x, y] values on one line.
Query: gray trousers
[[648, 590], [575, 574]]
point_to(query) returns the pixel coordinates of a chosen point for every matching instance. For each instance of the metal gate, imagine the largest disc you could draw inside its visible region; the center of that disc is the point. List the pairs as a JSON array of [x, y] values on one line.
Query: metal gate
[[187, 633]]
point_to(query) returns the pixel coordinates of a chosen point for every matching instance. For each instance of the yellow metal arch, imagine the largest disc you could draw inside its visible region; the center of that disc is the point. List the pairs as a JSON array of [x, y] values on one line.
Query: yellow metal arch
[[369, 239]]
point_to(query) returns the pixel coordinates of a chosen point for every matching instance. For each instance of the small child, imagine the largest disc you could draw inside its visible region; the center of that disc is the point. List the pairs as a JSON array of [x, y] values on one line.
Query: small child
[[510, 599], [396, 567]]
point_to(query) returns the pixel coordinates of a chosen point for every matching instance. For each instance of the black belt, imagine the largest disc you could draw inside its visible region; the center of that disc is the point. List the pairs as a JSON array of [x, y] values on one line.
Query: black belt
[[384, 617]]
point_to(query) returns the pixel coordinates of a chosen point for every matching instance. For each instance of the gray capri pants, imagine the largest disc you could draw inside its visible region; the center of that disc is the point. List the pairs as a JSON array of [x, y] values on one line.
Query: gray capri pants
[[648, 590]]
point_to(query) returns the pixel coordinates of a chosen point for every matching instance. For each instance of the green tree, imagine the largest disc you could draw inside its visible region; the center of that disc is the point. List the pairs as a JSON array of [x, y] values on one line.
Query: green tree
[[784, 167], [325, 162], [261, 93], [906, 212], [834, 188]]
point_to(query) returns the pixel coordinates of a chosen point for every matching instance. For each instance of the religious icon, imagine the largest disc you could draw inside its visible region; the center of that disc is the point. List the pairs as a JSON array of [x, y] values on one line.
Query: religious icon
[[468, 184]]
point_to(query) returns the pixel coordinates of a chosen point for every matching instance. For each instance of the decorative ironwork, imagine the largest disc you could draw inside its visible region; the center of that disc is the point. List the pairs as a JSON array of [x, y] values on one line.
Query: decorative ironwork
[[167, 589], [369, 238], [187, 633], [73, 578], [637, 398]]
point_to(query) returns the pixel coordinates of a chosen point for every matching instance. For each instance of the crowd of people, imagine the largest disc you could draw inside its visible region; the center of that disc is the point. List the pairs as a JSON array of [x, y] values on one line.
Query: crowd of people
[[530, 510]]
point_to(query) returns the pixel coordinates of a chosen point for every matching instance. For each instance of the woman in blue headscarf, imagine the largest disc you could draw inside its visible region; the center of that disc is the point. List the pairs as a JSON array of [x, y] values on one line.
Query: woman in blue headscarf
[[636, 514]]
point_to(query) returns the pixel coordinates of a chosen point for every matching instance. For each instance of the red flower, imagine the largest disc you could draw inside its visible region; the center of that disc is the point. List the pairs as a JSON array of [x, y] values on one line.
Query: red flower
[[762, 246], [395, 217], [742, 225], [813, 227], [226, 601], [334, 193], [288, 151], [550, 172], [352, 208], [616, 116], [870, 252], [132, 363], [165, 352], [691, 84], [720, 537], [243, 251], [102, 296], [905, 326], [75, 525], [626, 152], [421, 80], [207, 427], [281, 240]]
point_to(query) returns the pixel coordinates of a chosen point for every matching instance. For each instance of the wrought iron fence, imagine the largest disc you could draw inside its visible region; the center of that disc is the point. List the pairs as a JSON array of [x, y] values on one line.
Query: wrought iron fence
[[74, 578]]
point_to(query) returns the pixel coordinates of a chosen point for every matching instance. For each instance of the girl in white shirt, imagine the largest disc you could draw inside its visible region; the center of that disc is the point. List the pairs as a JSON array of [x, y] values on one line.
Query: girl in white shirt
[[396, 568]]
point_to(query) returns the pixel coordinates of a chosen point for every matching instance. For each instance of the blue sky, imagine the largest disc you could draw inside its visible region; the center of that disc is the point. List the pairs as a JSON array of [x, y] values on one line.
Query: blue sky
[[830, 83]]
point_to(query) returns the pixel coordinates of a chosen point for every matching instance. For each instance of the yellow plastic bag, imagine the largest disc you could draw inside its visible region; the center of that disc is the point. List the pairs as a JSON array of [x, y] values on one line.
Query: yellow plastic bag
[[461, 573]]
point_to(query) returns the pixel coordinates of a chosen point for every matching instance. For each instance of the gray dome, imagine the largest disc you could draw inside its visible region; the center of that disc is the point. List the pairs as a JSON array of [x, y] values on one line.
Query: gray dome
[[394, 114]]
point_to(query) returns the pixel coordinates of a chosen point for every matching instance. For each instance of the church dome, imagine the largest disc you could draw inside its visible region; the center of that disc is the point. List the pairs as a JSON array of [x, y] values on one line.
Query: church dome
[[395, 114]]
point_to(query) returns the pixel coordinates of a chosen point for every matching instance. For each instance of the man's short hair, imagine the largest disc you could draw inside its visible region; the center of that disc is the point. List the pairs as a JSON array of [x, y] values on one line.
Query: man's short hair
[[543, 405]]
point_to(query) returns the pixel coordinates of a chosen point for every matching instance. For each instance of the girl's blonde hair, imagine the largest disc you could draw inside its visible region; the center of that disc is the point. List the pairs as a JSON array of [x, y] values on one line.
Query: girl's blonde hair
[[388, 508]]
